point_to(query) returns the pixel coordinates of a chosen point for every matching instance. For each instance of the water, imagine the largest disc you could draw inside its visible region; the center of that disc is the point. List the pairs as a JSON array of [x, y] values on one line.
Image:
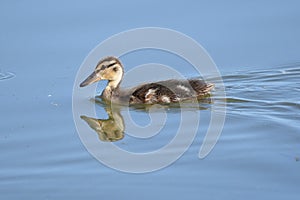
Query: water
[[257, 155]]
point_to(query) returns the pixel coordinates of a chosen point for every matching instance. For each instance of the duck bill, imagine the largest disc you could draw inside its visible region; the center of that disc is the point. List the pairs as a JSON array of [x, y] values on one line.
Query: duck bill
[[90, 79]]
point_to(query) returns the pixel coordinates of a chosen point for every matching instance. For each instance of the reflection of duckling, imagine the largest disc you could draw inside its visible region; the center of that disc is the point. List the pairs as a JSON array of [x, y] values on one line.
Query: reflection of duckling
[[169, 91], [108, 130]]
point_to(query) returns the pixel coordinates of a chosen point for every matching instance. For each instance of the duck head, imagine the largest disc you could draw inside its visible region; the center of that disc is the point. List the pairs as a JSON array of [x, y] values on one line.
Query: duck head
[[109, 68]]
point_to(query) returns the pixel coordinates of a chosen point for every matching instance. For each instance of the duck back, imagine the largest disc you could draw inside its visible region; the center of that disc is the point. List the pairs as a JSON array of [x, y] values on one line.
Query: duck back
[[170, 91]]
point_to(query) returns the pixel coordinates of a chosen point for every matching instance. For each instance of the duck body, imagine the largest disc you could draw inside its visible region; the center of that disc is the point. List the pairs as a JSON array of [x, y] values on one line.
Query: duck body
[[170, 91], [162, 92]]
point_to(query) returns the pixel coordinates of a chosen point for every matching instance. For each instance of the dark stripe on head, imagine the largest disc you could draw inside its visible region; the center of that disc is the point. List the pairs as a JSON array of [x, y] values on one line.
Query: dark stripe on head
[[102, 63], [111, 64]]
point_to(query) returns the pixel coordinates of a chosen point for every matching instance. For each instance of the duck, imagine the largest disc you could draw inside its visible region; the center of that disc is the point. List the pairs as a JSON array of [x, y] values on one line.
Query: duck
[[162, 92]]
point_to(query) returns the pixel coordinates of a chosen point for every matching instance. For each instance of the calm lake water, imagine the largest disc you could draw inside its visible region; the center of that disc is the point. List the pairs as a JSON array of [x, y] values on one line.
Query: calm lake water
[[256, 48]]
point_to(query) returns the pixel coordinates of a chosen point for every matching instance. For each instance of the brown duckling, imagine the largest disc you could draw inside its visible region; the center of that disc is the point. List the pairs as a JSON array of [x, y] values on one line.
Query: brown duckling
[[162, 92]]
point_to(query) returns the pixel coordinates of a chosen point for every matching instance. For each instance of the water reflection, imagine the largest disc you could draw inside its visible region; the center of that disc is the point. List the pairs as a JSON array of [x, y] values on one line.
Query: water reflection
[[108, 130], [112, 129]]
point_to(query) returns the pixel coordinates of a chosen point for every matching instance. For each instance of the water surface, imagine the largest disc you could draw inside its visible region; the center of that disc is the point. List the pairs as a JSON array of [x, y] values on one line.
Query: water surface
[[255, 46]]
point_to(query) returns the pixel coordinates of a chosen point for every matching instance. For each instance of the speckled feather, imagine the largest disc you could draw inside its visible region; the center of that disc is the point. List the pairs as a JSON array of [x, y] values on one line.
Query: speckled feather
[[170, 91]]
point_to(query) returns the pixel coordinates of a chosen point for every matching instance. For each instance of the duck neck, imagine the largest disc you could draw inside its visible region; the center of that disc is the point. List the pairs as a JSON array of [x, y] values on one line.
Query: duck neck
[[111, 89]]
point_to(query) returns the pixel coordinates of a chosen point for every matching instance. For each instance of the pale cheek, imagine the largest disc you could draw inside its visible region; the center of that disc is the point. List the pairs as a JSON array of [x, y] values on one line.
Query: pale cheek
[[110, 76], [115, 75], [104, 75]]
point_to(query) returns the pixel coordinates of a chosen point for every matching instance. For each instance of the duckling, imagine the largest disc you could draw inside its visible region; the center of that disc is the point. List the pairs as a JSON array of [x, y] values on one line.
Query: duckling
[[162, 92]]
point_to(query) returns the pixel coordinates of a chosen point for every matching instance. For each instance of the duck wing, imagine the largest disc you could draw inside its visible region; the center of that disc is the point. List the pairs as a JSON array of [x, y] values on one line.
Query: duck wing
[[169, 91]]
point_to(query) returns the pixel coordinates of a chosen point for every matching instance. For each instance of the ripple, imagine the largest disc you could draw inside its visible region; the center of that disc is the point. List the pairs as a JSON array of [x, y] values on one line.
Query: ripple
[[6, 75], [271, 94], [236, 100]]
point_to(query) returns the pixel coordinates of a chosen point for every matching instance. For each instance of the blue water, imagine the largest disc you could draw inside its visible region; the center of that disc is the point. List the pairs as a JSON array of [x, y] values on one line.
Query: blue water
[[255, 45]]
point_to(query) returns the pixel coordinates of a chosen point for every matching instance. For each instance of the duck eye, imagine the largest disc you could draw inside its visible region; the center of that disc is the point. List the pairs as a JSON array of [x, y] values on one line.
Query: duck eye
[[115, 69], [102, 67]]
